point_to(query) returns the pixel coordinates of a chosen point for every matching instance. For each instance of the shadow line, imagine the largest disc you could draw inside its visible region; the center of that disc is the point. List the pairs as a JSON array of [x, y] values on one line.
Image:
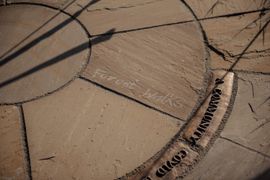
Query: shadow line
[[59, 58], [45, 35], [32, 33], [184, 22], [263, 176]]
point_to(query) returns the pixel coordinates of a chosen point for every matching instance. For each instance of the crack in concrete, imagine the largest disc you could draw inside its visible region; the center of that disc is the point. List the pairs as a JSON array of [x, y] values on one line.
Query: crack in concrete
[[219, 52], [230, 57], [254, 54], [248, 46], [211, 10], [251, 84], [197, 91], [251, 108]]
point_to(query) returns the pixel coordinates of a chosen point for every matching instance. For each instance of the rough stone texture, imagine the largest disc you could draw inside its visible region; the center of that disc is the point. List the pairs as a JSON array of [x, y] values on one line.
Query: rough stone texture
[[178, 157], [249, 122], [12, 161], [104, 15], [54, 3], [86, 132], [199, 120], [90, 133], [53, 59], [226, 160], [233, 39], [210, 8], [141, 65]]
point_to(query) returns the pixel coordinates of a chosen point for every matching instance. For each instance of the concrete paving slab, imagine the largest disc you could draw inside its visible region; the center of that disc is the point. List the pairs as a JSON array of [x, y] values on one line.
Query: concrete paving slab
[[226, 160], [88, 133], [54, 3], [249, 122], [151, 66], [101, 16], [13, 164], [45, 61], [232, 40], [258, 64], [212, 8], [163, 67]]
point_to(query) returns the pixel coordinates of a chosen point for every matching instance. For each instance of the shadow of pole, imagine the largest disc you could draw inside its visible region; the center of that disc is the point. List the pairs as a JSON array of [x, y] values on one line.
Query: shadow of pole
[[33, 32], [45, 35], [59, 58], [263, 176]]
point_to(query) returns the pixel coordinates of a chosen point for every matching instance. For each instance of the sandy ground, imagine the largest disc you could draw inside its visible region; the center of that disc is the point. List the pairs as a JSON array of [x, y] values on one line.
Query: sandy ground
[[146, 89]]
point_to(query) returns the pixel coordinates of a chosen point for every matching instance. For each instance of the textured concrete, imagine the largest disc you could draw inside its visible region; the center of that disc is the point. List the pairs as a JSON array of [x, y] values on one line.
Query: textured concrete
[[141, 65], [101, 16], [232, 40], [212, 8], [12, 156], [249, 123], [90, 133], [226, 160], [47, 60], [125, 113], [54, 3]]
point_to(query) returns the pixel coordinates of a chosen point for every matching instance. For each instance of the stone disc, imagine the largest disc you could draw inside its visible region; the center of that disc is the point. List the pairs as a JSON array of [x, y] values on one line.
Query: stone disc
[[53, 50]]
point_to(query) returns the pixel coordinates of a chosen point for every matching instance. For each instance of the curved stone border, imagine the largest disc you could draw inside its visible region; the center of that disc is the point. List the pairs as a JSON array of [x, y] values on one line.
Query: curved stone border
[[193, 142], [190, 144], [84, 65]]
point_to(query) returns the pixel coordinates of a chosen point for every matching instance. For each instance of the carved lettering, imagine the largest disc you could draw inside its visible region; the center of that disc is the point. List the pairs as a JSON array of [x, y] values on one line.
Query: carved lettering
[[208, 116], [219, 81], [146, 178], [169, 165]]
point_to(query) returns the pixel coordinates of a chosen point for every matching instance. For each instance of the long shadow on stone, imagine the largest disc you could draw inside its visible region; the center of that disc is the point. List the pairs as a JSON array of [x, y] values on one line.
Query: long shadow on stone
[[59, 58], [45, 35], [264, 175]]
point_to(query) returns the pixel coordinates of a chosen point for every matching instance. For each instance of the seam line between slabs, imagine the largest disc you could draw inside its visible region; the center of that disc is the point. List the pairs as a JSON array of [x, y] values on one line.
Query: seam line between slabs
[[182, 22], [245, 147], [25, 143], [130, 98]]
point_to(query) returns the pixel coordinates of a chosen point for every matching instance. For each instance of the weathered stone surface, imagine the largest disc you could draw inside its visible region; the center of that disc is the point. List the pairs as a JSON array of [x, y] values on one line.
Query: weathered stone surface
[[210, 8], [89, 133], [226, 160], [12, 157], [202, 127], [54, 3], [172, 163], [249, 122], [47, 60], [162, 67], [258, 64], [233, 39], [101, 16]]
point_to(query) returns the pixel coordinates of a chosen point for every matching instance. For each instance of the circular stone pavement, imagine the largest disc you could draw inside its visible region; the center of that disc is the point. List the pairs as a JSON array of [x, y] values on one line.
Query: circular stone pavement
[[90, 129], [53, 51]]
